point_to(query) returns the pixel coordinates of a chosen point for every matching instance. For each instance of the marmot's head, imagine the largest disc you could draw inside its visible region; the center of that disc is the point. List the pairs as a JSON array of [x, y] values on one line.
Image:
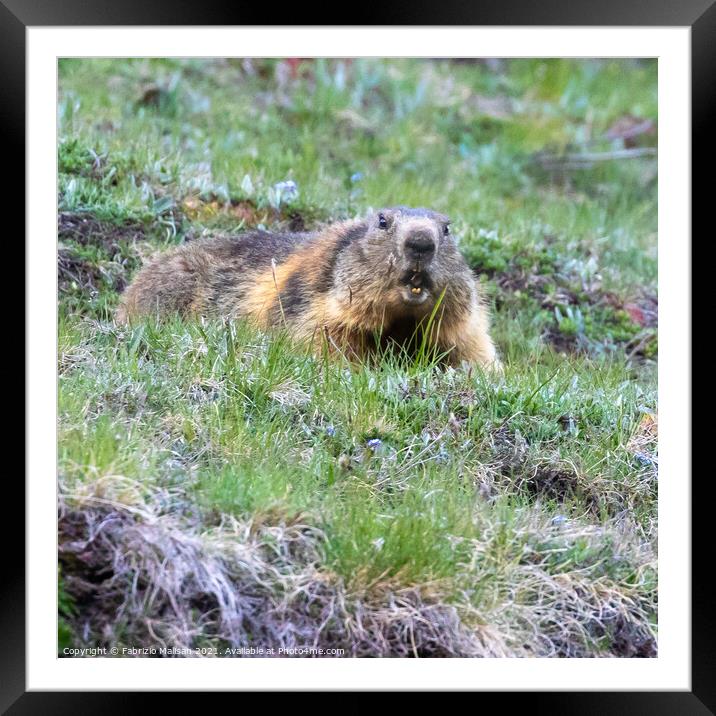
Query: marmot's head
[[406, 257]]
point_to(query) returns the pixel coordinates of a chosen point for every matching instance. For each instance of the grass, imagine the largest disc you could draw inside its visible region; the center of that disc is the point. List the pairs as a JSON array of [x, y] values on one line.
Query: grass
[[225, 488]]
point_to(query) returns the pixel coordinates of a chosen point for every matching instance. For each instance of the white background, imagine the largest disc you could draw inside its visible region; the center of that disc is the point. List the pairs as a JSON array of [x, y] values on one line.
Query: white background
[[671, 670]]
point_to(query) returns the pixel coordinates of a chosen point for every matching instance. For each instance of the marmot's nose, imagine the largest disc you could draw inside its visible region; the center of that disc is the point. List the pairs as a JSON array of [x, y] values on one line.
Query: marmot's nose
[[420, 245]]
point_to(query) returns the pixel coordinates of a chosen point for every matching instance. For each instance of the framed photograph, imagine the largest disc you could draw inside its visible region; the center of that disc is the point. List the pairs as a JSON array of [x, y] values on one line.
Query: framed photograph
[[359, 357]]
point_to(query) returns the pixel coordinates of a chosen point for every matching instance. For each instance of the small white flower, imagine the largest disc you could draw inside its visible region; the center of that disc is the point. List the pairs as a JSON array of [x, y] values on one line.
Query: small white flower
[[247, 185], [284, 192]]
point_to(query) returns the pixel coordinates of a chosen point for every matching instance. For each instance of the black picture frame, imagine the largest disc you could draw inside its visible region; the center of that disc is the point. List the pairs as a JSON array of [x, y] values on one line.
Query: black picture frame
[[699, 15]]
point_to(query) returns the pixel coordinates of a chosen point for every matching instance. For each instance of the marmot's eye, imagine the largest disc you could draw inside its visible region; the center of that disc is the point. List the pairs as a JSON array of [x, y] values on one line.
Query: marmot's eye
[[446, 229], [382, 221]]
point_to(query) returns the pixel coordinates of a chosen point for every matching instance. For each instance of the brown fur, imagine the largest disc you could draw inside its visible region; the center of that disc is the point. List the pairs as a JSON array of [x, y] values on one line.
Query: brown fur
[[347, 287]]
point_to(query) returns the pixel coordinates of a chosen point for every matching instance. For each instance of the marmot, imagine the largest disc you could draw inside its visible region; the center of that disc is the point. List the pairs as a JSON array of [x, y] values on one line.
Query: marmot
[[354, 287]]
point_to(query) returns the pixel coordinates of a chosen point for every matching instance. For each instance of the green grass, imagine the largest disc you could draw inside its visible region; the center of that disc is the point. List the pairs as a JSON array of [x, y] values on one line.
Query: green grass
[[527, 501]]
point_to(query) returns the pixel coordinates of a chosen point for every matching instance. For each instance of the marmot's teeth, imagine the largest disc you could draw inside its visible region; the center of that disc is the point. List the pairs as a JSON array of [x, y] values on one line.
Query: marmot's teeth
[[416, 289]]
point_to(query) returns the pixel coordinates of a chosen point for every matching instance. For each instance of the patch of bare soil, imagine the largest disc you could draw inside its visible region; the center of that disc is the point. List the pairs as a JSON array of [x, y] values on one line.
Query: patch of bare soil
[[560, 484], [76, 270], [75, 273], [551, 481], [631, 640], [85, 229]]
